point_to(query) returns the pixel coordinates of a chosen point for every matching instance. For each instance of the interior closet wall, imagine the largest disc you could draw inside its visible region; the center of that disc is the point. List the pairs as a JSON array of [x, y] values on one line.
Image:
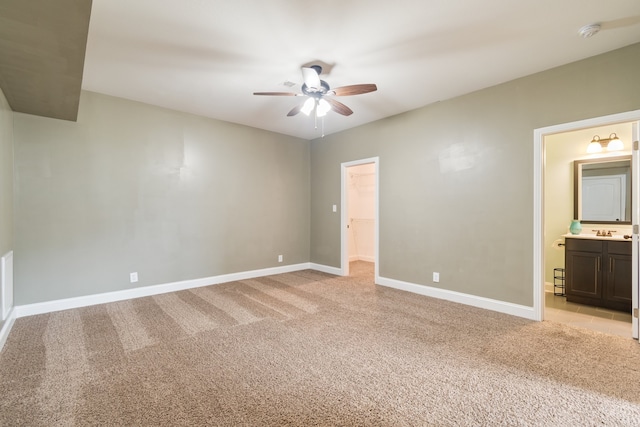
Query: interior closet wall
[[361, 205]]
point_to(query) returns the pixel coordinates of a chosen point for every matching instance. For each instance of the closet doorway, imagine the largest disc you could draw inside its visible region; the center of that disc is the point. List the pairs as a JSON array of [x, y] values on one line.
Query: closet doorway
[[359, 211]]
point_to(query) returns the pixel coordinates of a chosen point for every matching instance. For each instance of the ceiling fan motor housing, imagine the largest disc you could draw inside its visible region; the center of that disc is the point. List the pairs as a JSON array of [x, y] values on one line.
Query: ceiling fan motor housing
[[318, 68], [322, 90]]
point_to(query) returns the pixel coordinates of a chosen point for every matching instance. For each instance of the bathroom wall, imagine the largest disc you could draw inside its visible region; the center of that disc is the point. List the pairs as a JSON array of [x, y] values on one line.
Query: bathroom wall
[[560, 152]]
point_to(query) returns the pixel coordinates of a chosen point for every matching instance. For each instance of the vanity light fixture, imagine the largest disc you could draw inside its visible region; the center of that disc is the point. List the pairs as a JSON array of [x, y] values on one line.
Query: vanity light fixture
[[597, 144]]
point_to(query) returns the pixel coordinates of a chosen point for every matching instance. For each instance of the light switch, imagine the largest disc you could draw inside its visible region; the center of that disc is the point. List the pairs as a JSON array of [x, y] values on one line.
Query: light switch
[[335, 208]]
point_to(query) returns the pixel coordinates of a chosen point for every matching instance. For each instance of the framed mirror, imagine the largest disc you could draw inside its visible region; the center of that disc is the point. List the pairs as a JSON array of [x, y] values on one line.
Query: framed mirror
[[602, 190]]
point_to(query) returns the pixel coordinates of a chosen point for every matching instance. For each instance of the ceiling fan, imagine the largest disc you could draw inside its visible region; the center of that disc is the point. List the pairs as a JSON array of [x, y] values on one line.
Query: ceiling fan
[[320, 95]]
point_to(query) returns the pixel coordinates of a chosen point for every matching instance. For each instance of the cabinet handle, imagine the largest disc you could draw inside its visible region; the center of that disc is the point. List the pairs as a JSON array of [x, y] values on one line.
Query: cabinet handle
[[598, 264], [611, 261]]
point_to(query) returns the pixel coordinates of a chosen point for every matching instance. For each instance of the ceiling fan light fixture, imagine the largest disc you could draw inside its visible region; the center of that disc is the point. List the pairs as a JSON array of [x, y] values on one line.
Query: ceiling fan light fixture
[[308, 106], [323, 108], [316, 90]]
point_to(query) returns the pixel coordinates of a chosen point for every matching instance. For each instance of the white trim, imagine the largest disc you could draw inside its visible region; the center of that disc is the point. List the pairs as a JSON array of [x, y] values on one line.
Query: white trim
[[84, 301], [635, 221], [344, 236], [538, 231], [538, 202], [6, 327], [6, 285], [458, 297], [361, 258], [326, 269]]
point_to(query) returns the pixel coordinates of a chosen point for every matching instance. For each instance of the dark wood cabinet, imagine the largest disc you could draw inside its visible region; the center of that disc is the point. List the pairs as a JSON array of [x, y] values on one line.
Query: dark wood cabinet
[[598, 272]]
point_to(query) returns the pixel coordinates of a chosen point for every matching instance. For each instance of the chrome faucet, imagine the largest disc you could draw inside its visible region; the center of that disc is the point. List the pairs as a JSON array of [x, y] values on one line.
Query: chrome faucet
[[604, 233]]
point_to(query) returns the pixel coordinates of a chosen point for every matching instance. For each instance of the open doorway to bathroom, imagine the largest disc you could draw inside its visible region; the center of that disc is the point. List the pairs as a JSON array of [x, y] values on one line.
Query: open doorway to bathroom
[[561, 150], [555, 150], [360, 218]]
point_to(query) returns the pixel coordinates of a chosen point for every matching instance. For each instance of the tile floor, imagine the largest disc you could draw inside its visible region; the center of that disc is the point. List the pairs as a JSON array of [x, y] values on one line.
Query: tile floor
[[557, 309]]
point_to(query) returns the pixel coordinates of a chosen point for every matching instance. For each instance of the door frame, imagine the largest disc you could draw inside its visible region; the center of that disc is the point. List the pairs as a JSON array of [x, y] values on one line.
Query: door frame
[[344, 213], [538, 203]]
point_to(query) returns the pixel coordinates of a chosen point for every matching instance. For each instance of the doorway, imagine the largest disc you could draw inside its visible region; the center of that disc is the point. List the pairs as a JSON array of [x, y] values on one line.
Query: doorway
[[359, 215], [545, 225]]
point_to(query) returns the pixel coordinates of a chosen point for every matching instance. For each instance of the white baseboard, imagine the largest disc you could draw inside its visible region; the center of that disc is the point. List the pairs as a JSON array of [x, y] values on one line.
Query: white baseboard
[[353, 258], [459, 297], [84, 301], [6, 285], [326, 269], [6, 327]]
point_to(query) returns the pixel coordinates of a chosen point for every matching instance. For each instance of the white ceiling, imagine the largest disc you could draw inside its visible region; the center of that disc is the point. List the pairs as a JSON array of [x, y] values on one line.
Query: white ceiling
[[207, 57]]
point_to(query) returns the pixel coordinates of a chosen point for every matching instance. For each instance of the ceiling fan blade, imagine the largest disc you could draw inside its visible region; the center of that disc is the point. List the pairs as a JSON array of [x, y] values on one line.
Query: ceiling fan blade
[[311, 78], [339, 107], [354, 89], [295, 110], [276, 93]]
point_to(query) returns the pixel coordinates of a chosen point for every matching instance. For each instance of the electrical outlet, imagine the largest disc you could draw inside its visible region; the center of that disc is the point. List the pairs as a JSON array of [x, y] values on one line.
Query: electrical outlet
[[436, 277], [279, 258], [133, 277]]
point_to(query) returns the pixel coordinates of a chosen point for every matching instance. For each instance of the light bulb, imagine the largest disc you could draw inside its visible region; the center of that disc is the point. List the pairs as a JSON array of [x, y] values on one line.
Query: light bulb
[[615, 144], [594, 147], [308, 106], [323, 108]]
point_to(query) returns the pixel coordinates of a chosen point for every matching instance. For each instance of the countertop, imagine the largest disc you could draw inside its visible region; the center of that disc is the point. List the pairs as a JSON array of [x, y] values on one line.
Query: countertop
[[618, 237]]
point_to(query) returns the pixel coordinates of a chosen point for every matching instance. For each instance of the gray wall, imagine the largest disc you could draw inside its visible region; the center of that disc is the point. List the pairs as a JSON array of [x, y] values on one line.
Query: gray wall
[[456, 177], [172, 196], [131, 187], [6, 176]]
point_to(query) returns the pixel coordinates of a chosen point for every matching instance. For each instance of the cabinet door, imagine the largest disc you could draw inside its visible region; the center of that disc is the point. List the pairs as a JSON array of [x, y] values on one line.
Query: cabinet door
[[584, 278], [618, 290]]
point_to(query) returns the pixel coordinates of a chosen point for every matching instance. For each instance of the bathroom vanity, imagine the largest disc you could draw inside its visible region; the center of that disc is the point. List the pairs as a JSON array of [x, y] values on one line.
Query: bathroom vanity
[[598, 271]]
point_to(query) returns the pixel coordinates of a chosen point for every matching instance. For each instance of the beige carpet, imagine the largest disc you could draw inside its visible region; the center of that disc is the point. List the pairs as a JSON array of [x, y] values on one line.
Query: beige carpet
[[308, 348]]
